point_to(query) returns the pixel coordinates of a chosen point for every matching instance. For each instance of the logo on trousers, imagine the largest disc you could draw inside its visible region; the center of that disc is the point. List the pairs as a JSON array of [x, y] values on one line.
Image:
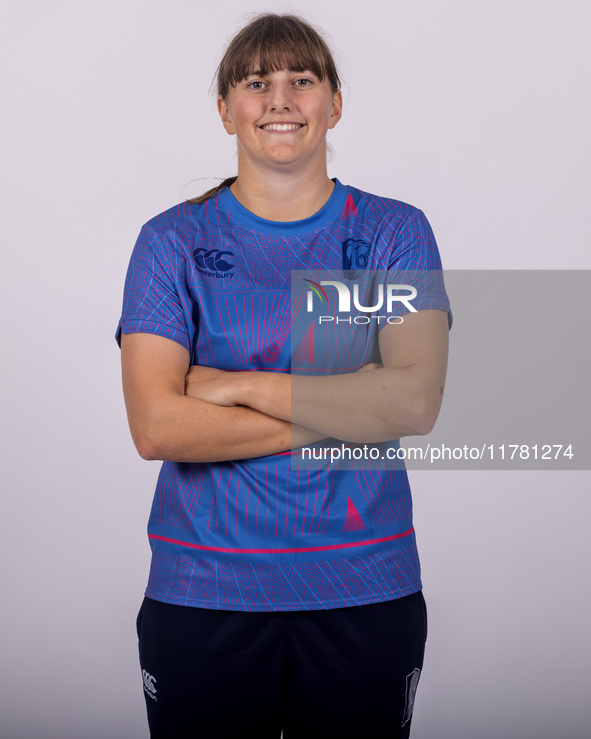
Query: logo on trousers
[[149, 687], [412, 682]]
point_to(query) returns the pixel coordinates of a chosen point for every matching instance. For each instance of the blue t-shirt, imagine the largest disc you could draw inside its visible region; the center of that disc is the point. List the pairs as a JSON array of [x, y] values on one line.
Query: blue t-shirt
[[263, 534]]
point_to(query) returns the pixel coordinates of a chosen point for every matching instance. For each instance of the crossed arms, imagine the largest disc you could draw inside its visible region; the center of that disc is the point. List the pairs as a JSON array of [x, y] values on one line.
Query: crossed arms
[[202, 414]]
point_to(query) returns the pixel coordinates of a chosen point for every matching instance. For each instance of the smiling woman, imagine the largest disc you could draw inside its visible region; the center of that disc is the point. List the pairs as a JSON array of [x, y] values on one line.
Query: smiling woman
[[278, 599], [280, 120]]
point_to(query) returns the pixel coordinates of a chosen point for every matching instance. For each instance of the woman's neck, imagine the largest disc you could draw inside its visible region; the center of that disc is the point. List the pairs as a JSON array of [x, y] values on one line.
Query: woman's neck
[[282, 196]]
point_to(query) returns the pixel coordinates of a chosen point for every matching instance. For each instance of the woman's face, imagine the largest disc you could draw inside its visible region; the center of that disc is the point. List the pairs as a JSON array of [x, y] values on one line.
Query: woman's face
[[280, 119]]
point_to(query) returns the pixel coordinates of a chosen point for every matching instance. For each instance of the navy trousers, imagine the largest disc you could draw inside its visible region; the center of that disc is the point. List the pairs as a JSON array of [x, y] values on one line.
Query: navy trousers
[[347, 673]]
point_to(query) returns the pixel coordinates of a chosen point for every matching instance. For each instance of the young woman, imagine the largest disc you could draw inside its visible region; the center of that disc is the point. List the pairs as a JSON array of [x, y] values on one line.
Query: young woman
[[279, 598]]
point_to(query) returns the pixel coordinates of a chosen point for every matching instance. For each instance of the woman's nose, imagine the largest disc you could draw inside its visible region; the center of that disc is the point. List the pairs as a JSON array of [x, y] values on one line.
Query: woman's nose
[[281, 98]]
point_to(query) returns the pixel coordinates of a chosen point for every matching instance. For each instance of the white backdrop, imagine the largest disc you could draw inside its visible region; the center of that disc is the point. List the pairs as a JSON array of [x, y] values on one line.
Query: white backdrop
[[478, 113]]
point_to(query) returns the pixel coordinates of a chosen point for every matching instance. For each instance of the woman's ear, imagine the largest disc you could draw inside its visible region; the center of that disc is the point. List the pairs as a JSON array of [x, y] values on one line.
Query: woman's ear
[[337, 109], [225, 116]]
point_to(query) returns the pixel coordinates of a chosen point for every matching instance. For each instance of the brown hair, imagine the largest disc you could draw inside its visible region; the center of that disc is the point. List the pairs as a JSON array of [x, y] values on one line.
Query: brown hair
[[275, 42]]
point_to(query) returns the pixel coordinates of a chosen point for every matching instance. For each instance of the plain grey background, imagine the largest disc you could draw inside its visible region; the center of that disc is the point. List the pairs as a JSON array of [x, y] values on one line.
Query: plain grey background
[[476, 112]]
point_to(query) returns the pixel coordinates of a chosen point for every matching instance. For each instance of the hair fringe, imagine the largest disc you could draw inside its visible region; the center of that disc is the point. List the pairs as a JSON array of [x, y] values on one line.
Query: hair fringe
[[276, 42]]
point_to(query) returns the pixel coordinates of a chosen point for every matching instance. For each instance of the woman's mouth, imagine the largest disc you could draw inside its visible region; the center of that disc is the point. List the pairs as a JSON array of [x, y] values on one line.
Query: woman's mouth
[[282, 127]]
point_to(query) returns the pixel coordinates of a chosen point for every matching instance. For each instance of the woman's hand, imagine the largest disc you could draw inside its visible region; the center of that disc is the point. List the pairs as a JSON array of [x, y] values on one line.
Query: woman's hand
[[223, 388], [211, 384]]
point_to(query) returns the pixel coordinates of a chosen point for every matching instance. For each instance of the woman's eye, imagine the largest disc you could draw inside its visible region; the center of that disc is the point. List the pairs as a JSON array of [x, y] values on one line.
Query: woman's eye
[[256, 85], [303, 83]]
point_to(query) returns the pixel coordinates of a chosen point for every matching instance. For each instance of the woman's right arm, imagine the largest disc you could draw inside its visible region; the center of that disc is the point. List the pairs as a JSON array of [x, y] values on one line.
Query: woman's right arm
[[169, 425]]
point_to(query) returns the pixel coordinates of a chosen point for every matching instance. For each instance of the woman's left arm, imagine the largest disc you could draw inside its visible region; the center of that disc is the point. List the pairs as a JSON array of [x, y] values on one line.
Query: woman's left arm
[[400, 398]]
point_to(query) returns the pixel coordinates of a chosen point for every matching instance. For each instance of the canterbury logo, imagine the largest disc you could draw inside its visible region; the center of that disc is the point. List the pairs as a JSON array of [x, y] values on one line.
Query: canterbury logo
[[213, 259], [149, 681]]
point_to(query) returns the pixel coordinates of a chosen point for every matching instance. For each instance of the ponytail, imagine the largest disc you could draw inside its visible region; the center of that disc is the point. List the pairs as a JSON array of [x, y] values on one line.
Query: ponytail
[[214, 191]]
